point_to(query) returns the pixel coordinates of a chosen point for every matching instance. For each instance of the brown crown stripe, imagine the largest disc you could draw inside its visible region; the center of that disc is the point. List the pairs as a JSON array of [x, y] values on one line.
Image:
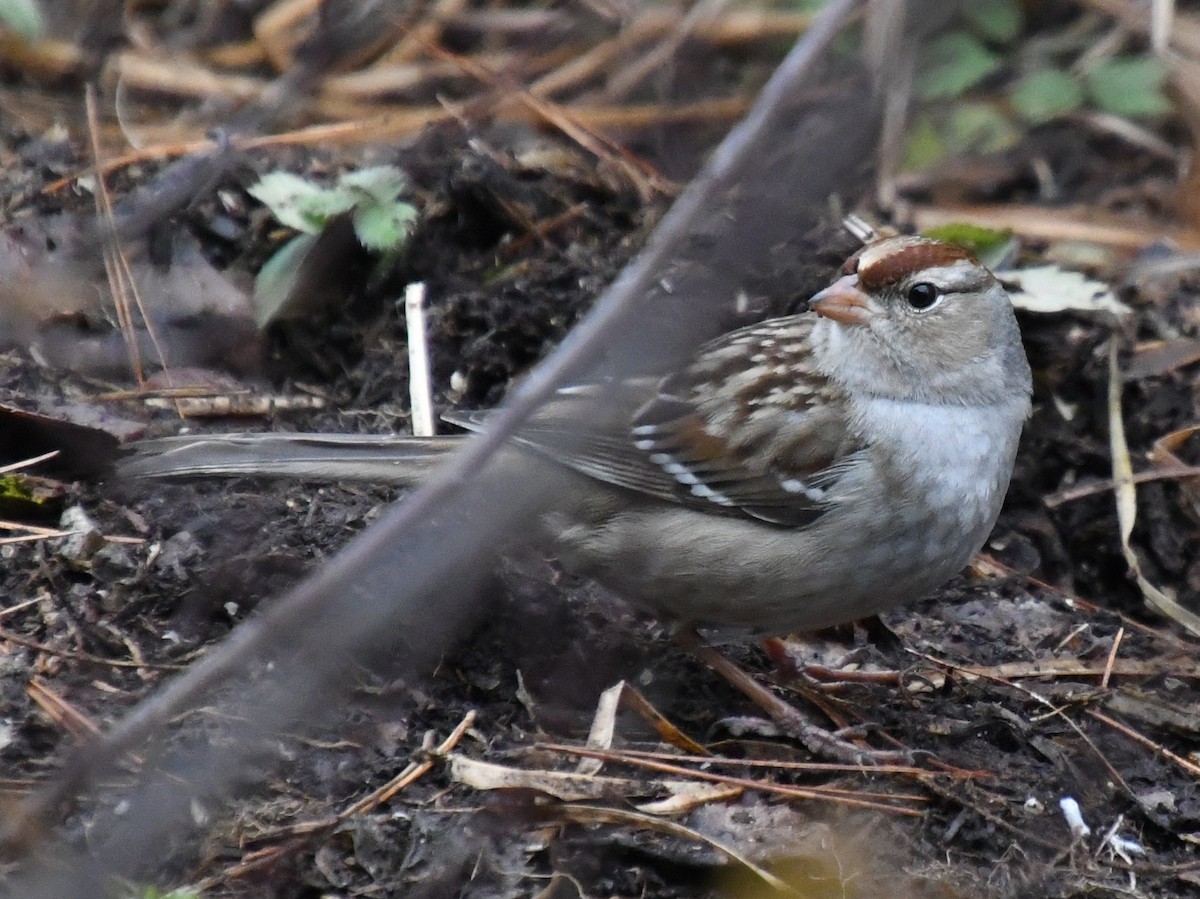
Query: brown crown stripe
[[876, 273]]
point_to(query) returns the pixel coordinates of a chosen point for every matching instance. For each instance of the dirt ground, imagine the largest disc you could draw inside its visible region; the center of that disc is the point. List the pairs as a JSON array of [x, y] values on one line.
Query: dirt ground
[[1039, 676]]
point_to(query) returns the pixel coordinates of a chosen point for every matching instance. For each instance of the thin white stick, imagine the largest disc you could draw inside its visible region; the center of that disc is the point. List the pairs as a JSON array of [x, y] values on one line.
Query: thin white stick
[[1162, 17], [419, 391]]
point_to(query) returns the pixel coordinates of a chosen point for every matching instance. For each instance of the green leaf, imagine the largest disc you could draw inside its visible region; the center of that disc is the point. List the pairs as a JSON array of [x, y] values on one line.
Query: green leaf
[[318, 208], [1042, 96], [954, 63], [23, 18], [381, 222], [1130, 86], [989, 245], [384, 227], [275, 280], [19, 501], [979, 128], [383, 182], [924, 145], [283, 193], [12, 485], [996, 20]]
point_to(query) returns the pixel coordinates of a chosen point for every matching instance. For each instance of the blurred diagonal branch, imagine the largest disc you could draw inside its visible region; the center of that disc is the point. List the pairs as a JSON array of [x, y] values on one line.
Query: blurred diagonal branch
[[404, 586]]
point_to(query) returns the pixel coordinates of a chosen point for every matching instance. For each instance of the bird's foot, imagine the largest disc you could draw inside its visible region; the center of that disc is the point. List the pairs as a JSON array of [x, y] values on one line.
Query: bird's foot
[[836, 746]]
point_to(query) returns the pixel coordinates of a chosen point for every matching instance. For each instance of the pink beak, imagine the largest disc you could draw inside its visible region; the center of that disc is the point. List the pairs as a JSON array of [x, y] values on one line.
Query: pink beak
[[843, 302]]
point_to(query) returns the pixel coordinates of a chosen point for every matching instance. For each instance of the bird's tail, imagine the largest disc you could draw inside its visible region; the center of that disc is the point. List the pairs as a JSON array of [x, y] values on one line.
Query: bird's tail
[[386, 459]]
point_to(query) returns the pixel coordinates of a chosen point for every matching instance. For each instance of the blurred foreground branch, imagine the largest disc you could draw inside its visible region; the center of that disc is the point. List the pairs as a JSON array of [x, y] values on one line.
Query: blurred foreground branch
[[404, 587]]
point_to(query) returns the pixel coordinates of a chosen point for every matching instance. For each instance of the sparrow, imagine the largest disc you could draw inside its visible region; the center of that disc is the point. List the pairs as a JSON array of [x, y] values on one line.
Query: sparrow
[[798, 473]]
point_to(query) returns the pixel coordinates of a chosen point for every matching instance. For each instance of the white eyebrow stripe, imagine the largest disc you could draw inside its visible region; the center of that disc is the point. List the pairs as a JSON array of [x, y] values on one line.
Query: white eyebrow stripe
[[951, 276]]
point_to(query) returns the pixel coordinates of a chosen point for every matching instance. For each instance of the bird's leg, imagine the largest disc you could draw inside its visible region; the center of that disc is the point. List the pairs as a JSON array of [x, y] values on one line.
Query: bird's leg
[[826, 744]]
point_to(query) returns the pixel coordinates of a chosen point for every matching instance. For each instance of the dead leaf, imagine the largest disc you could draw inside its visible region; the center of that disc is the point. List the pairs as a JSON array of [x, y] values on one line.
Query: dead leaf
[[564, 785], [1163, 456], [1126, 494], [79, 451], [1048, 288]]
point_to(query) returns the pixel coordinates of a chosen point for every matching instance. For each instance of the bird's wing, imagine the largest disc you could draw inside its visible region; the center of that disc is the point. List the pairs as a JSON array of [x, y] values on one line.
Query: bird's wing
[[765, 441]]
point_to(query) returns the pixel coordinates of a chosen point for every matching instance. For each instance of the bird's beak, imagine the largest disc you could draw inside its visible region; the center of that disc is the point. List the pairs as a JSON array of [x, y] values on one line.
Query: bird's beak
[[842, 301]]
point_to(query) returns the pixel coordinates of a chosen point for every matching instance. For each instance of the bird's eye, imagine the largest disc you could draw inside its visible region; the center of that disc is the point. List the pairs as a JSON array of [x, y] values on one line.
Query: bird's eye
[[922, 296]]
